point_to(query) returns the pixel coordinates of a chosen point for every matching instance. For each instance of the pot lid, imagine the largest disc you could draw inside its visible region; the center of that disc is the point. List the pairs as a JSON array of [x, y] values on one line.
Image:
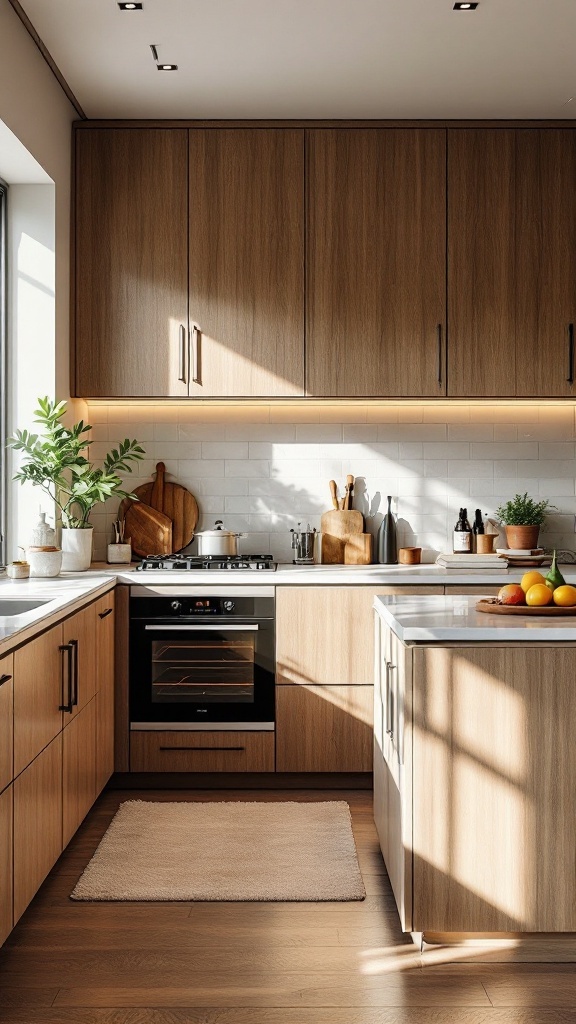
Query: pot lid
[[217, 532]]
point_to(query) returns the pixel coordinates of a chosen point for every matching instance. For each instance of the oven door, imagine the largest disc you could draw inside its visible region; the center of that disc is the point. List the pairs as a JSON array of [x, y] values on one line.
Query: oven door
[[201, 674]]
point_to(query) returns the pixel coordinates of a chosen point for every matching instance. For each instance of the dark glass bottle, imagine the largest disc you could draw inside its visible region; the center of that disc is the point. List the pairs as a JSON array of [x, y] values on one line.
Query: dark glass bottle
[[462, 543], [387, 546], [477, 527]]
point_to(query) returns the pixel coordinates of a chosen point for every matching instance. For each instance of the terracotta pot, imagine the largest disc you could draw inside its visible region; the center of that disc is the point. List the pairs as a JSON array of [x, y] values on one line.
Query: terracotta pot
[[522, 536]]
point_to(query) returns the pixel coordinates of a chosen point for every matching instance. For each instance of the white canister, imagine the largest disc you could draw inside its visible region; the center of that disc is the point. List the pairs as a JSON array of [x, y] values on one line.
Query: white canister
[[45, 561], [18, 570]]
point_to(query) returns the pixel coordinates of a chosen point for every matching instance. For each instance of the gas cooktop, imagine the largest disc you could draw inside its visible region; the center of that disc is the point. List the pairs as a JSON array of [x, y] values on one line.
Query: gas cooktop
[[210, 563]]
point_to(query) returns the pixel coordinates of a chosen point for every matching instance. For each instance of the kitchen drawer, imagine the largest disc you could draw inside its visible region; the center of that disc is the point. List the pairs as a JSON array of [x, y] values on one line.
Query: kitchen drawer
[[202, 751]]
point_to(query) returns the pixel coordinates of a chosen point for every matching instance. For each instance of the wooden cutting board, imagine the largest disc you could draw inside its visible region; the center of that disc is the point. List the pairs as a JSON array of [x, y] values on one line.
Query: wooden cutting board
[[358, 549], [336, 527], [174, 501], [147, 530]]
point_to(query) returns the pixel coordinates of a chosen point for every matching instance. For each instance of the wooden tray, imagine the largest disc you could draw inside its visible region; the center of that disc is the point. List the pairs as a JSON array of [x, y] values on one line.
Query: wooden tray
[[491, 607]]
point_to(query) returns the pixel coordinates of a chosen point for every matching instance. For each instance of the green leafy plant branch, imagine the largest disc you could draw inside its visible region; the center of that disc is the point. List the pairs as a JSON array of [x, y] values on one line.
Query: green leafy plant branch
[[524, 511], [55, 462]]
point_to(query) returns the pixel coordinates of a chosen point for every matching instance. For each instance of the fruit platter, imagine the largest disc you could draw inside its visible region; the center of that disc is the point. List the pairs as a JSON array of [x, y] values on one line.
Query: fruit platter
[[534, 595]]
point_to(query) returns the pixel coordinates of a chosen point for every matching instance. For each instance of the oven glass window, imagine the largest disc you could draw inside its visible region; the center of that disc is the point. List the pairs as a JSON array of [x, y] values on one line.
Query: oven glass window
[[208, 668]]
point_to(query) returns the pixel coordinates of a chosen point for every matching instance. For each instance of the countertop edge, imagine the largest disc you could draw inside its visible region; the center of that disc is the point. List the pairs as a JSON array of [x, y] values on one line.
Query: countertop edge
[[45, 620]]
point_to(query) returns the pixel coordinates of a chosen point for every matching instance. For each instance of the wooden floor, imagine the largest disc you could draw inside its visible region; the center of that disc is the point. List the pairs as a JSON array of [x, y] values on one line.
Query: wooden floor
[[254, 963]]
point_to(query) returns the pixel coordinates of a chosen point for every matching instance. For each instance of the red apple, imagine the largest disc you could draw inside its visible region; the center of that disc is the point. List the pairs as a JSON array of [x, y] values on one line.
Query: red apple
[[511, 594]]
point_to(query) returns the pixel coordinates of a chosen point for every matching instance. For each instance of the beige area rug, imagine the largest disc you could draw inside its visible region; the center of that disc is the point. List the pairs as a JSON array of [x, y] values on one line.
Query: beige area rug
[[225, 851]]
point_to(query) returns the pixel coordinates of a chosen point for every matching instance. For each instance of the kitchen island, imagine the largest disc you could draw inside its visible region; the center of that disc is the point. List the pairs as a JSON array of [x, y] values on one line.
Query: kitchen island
[[475, 766]]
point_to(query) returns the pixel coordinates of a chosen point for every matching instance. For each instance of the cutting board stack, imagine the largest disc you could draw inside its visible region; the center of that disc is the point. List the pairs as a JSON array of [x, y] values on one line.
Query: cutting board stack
[[343, 539], [164, 518]]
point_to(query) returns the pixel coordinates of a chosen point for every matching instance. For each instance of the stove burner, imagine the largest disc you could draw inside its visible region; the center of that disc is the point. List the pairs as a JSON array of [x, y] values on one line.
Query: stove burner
[[169, 563]]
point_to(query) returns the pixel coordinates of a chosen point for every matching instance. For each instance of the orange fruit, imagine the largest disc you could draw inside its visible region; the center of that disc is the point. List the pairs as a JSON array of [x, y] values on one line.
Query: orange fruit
[[539, 595], [530, 579], [511, 594], [565, 596]]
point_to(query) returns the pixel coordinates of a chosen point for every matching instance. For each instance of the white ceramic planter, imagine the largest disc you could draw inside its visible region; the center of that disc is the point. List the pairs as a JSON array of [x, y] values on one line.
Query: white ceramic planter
[[76, 549]]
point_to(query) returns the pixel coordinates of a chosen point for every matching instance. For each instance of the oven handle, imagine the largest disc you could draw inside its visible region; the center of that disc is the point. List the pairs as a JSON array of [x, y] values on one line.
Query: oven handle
[[222, 628]]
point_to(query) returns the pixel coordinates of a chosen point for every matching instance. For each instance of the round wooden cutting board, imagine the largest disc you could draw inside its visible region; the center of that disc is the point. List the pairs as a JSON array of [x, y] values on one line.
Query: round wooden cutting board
[[491, 607], [174, 501]]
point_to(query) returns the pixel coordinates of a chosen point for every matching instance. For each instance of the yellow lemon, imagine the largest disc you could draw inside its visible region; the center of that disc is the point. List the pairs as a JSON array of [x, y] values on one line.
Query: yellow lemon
[[530, 579], [565, 596], [539, 595]]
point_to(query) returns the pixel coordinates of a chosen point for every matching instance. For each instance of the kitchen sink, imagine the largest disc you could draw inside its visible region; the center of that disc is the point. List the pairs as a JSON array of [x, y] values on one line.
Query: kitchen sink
[[18, 606]]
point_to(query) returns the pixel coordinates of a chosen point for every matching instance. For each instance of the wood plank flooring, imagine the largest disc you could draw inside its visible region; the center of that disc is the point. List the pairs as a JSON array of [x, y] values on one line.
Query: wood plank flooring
[[255, 963]]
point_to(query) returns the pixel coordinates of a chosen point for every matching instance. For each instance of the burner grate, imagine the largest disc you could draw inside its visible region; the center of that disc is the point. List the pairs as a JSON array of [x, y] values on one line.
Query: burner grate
[[207, 563]]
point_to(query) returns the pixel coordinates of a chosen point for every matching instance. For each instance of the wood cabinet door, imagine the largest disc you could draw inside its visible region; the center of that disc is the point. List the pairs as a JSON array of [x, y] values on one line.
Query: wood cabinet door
[[6, 863], [131, 262], [6, 720], [324, 728], [481, 262], [247, 262], [38, 695], [81, 630], [78, 769], [494, 779], [37, 823], [546, 262], [105, 690], [325, 635], [376, 257]]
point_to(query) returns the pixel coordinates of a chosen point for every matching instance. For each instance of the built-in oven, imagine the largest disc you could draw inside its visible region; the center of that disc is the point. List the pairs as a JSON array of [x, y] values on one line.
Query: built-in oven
[[201, 658]]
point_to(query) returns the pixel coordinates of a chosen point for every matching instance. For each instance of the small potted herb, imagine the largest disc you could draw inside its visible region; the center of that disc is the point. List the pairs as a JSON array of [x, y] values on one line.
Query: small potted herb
[[522, 518], [55, 461]]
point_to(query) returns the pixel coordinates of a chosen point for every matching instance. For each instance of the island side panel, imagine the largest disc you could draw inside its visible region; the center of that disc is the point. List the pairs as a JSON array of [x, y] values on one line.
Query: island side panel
[[494, 763]]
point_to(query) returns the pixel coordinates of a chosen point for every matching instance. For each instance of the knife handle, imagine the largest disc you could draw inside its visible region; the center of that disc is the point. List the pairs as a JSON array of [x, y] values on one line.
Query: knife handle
[[334, 493], [349, 491]]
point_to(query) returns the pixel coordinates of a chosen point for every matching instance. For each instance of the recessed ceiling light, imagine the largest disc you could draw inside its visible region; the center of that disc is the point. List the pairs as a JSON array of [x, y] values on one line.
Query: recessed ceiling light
[[167, 67], [131, 7], [465, 7]]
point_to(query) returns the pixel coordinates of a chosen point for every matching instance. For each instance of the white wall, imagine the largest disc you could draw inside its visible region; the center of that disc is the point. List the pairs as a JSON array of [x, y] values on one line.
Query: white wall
[[263, 468], [37, 112]]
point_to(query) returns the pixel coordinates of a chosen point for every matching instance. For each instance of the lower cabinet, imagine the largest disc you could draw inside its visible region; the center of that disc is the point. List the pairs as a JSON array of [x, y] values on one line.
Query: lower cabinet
[[78, 769], [323, 728], [202, 751], [37, 823], [6, 866], [105, 627]]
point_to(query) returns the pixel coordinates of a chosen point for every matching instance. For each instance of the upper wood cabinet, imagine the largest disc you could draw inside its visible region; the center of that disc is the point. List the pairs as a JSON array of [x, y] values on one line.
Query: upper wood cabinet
[[247, 262], [131, 262], [376, 254], [511, 262]]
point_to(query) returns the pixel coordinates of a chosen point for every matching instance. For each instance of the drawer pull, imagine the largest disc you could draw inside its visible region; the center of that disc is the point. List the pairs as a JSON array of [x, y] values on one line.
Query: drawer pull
[[570, 377], [69, 706], [107, 611], [203, 748], [4, 679]]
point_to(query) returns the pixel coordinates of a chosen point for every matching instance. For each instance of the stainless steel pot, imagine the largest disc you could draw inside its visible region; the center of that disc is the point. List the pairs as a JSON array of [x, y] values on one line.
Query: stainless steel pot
[[218, 541]]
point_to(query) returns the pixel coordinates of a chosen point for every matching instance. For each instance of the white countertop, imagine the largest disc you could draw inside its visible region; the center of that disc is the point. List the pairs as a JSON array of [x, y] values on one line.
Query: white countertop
[[425, 619], [57, 594]]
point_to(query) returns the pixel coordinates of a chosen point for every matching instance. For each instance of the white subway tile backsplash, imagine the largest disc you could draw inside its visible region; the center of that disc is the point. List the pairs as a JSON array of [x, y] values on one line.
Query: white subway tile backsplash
[[264, 468]]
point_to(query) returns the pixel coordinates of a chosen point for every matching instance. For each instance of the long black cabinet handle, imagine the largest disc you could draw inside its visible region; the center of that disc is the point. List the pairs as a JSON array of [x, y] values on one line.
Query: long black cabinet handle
[[570, 377], [107, 611], [74, 646], [439, 334], [203, 748], [67, 648], [4, 679]]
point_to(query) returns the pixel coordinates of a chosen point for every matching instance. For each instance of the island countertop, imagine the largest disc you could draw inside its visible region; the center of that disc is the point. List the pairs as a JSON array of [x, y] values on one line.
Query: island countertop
[[454, 619]]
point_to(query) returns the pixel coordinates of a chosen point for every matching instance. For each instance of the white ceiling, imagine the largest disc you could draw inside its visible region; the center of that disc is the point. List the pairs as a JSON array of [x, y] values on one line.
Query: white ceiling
[[315, 58]]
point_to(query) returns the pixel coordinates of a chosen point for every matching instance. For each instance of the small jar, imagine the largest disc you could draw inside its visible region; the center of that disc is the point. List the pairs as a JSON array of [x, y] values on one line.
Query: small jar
[[18, 570], [45, 561]]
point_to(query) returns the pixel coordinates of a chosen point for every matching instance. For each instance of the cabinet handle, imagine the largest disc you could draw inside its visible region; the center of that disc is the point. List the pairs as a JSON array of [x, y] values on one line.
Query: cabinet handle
[[107, 611], [196, 354], [74, 646], [204, 748], [570, 377], [439, 336], [69, 706], [389, 724], [4, 679], [182, 376]]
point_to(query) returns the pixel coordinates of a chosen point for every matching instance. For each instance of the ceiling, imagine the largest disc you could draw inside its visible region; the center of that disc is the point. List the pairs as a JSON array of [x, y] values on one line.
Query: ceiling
[[315, 58]]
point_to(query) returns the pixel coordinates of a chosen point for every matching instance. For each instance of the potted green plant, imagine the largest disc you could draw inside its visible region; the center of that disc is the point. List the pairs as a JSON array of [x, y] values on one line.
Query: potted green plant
[[54, 460], [522, 518]]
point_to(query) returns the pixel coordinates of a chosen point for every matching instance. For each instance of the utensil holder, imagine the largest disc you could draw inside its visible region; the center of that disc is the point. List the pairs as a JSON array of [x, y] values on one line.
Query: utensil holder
[[119, 554]]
